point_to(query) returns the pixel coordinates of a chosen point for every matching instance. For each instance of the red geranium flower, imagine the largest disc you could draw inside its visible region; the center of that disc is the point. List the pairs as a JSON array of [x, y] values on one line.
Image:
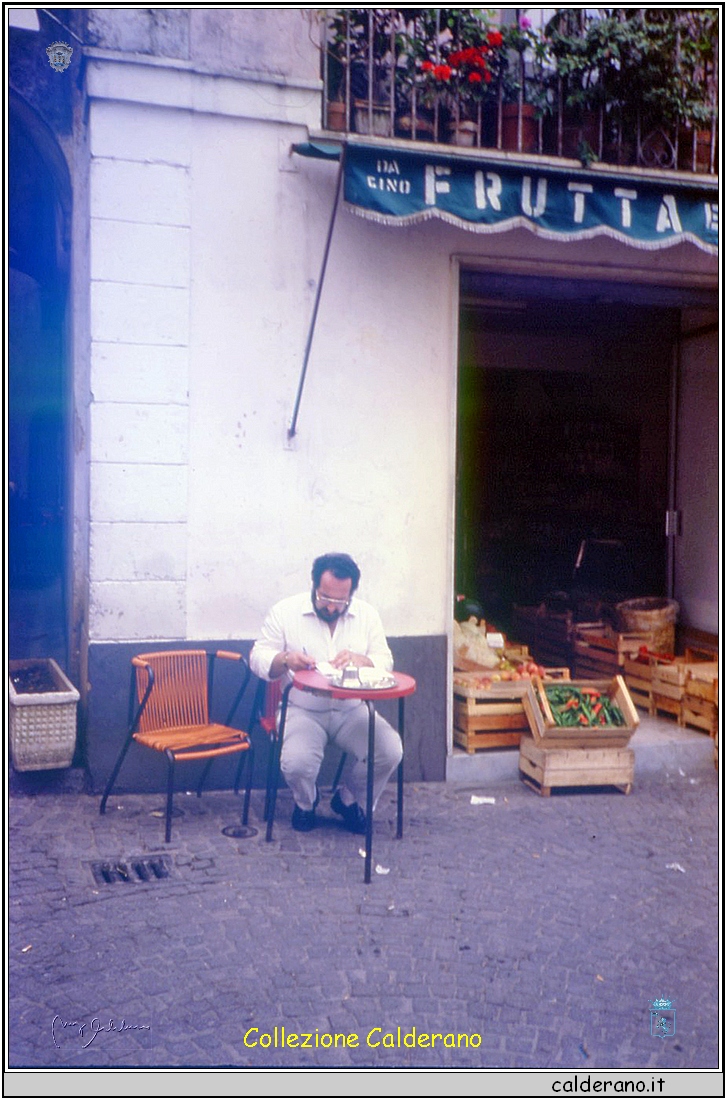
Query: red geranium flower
[[494, 38], [442, 72], [427, 66], [475, 78]]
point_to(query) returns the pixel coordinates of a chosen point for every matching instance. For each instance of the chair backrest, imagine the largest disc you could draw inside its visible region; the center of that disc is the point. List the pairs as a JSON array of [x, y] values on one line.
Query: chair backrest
[[273, 695], [179, 696]]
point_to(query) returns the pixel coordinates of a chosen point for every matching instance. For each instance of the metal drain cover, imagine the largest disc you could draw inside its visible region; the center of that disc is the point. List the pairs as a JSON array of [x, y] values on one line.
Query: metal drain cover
[[149, 868], [239, 831]]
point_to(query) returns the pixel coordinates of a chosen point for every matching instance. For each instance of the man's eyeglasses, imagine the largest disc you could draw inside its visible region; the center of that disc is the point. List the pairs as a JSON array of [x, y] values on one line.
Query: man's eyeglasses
[[328, 599]]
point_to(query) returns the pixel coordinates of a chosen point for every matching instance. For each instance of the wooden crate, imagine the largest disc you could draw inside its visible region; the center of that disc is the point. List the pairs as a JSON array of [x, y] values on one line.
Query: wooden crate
[[547, 633], [488, 725], [699, 713], [600, 651], [492, 718], [702, 680], [544, 768], [637, 677], [547, 734], [669, 688]]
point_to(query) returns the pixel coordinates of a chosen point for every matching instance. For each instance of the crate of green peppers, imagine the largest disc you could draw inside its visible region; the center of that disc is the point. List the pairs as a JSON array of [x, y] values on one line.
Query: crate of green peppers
[[581, 713]]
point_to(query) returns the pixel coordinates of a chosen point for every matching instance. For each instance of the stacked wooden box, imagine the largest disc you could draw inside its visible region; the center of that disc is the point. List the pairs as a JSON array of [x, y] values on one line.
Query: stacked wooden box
[[638, 673], [668, 677], [599, 651], [488, 718], [701, 697], [578, 756], [686, 689], [547, 633]]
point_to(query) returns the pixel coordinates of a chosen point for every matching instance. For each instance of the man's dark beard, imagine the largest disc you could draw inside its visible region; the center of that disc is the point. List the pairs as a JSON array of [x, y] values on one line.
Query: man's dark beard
[[323, 612]]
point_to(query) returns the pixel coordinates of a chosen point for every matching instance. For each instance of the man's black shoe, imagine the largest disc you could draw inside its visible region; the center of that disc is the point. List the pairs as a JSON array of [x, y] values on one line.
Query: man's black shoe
[[303, 820], [353, 816]]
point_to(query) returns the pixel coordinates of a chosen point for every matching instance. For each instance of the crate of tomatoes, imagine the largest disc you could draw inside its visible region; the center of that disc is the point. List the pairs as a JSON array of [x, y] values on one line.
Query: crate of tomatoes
[[580, 713], [488, 705]]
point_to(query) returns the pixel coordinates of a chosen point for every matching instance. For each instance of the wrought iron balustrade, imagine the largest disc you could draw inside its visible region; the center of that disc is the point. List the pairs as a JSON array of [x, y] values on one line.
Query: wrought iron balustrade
[[622, 86]]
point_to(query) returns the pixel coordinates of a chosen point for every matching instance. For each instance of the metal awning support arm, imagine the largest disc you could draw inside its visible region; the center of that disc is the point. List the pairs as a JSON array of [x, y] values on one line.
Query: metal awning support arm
[[311, 329]]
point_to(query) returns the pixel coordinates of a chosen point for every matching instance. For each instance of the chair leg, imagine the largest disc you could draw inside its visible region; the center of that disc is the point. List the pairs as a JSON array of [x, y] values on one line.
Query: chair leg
[[273, 791], [114, 775], [275, 771], [238, 772], [250, 771], [170, 795], [269, 778], [339, 772], [203, 777]]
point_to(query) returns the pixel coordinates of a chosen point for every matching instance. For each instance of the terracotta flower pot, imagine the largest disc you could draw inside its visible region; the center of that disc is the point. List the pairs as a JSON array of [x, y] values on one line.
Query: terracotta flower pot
[[336, 116], [686, 160], [529, 128]]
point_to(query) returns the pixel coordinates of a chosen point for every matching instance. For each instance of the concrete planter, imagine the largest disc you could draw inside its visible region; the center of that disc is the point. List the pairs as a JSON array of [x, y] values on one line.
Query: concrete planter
[[42, 722]]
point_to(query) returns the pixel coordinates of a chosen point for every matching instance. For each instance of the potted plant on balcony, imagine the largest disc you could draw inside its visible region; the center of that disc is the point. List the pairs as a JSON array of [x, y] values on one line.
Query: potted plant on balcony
[[458, 73], [665, 82], [521, 107], [335, 63], [42, 712], [372, 54], [697, 67], [577, 50]]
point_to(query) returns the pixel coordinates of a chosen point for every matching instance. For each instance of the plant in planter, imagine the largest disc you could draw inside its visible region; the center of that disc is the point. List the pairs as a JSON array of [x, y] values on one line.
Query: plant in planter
[[578, 52], [42, 712], [523, 102], [336, 60], [373, 62], [697, 46], [666, 78], [462, 74], [417, 89]]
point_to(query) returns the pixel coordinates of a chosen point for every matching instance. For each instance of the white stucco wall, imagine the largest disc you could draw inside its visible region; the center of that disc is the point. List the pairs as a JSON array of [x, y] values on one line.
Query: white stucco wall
[[206, 242]]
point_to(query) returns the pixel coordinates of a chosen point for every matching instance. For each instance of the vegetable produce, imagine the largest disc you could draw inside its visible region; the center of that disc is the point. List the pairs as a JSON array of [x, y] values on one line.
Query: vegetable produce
[[582, 706]]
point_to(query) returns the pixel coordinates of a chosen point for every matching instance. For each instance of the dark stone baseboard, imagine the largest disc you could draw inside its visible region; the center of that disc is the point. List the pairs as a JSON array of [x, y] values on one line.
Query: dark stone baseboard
[[109, 666]]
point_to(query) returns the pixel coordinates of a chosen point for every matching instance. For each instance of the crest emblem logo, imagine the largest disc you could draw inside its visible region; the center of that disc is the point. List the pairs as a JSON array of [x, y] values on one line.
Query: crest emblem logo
[[663, 1018], [59, 55]]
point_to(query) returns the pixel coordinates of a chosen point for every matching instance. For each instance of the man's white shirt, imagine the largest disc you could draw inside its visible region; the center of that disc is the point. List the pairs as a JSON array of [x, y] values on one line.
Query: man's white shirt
[[292, 624]]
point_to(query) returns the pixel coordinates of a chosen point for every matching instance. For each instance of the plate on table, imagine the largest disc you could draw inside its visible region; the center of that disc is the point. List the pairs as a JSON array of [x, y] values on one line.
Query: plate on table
[[369, 680]]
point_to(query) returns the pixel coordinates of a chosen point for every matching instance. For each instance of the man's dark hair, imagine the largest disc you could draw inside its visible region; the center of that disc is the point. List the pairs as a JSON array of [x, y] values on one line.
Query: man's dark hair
[[341, 565]]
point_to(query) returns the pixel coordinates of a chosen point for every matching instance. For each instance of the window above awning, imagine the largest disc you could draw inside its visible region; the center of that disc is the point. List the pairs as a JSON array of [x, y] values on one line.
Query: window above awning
[[486, 194]]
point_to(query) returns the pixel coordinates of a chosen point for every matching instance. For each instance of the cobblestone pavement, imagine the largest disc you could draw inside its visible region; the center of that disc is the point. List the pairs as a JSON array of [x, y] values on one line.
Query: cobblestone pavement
[[544, 925]]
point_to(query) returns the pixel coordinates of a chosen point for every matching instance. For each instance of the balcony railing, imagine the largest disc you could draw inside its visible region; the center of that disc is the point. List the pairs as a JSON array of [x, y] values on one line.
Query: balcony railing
[[622, 86]]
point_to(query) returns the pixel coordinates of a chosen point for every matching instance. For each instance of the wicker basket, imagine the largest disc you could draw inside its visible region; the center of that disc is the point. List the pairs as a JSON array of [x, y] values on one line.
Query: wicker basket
[[42, 724], [653, 615]]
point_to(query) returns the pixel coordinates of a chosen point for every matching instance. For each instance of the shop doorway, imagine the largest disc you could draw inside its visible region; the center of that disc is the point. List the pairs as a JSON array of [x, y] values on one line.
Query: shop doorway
[[564, 446], [38, 398]]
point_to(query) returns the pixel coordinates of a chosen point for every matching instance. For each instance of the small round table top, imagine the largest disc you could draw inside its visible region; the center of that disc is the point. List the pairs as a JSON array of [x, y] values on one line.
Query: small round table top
[[313, 681]]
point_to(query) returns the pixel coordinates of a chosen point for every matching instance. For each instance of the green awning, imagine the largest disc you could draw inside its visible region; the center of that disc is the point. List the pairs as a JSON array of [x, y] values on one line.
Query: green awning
[[489, 194], [323, 150]]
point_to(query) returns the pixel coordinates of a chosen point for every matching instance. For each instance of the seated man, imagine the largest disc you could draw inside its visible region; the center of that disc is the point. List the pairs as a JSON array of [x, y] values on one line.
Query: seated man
[[328, 624]]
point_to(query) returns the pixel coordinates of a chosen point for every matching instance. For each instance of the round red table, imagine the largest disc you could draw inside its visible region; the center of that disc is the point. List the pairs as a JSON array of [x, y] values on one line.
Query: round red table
[[312, 681]]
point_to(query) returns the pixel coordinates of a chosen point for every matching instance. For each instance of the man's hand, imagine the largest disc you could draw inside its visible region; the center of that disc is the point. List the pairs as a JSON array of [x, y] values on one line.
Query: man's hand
[[291, 660], [346, 657]]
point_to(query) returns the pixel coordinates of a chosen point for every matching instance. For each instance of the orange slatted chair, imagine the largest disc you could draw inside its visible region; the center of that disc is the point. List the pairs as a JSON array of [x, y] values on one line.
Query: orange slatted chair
[[169, 712]]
